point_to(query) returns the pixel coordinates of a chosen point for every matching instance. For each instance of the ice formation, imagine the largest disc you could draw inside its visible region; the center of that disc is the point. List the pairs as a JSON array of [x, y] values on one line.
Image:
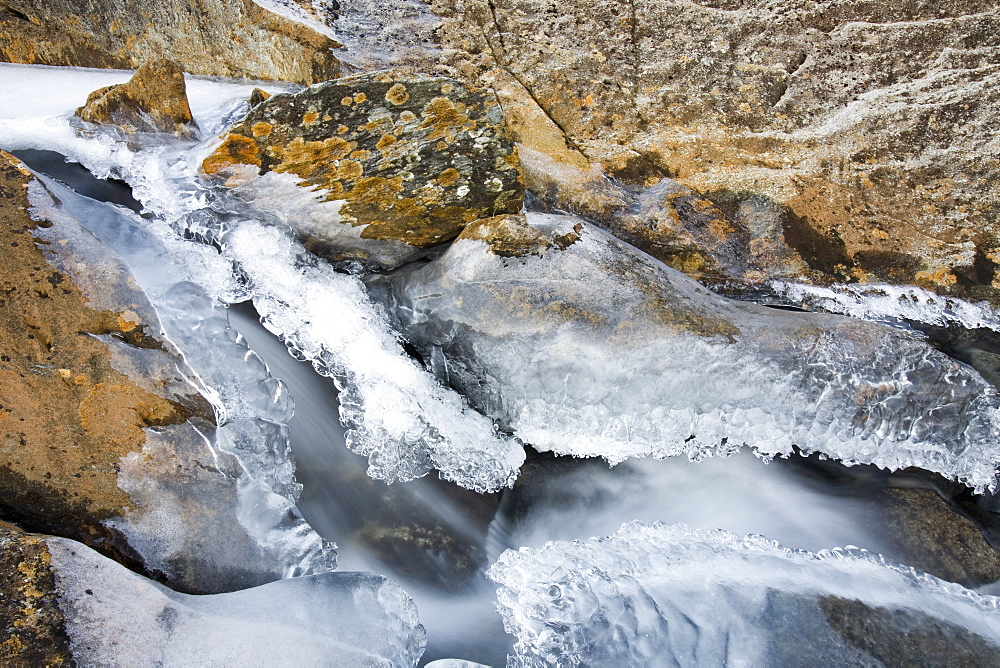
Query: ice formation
[[579, 344], [426, 425], [242, 468], [117, 618], [670, 595], [396, 413]]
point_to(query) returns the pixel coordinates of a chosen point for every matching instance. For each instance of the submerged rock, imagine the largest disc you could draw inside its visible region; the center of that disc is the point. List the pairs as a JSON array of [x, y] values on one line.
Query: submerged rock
[[153, 100], [66, 604], [670, 594], [386, 165], [579, 344], [864, 132], [236, 38], [107, 435]]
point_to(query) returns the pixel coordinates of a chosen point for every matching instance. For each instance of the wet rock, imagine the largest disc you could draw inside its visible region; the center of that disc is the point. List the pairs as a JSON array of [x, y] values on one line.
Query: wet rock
[[376, 167], [863, 132], [63, 604], [579, 344], [32, 627], [937, 537], [234, 39], [104, 436], [153, 100]]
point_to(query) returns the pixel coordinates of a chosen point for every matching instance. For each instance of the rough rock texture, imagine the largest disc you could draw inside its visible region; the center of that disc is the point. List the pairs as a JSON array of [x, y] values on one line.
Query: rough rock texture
[[153, 100], [32, 627], [866, 131], [235, 38], [938, 538], [406, 161]]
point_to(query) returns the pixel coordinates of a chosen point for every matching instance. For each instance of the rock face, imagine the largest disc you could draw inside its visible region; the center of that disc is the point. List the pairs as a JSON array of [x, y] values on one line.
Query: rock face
[[32, 632], [867, 134], [235, 39], [581, 345], [105, 435], [153, 100], [397, 163]]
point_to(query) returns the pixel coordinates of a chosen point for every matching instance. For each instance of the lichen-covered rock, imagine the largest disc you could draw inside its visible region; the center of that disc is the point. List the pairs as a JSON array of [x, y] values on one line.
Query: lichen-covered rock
[[106, 436], [236, 38], [153, 100], [867, 132], [392, 164], [32, 627]]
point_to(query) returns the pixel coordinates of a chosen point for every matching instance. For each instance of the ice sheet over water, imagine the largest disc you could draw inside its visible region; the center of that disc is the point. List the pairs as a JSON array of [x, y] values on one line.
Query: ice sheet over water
[[599, 350], [670, 595], [397, 414], [242, 469], [117, 618]]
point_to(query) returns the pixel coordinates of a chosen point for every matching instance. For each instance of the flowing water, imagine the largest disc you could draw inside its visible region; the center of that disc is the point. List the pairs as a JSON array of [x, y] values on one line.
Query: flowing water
[[437, 539]]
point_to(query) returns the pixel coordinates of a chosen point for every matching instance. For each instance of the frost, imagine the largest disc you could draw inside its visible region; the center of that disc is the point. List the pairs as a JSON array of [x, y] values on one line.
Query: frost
[[117, 618], [890, 303], [599, 350], [396, 413], [670, 595]]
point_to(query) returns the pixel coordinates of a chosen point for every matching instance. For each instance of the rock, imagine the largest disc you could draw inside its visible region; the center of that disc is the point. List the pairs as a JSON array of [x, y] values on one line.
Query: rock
[[65, 604], [579, 344], [153, 100], [233, 39], [387, 165], [104, 437], [865, 133], [33, 630], [938, 537]]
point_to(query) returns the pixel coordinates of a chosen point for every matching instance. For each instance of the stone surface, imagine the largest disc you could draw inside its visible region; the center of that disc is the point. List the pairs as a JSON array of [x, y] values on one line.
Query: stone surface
[[938, 537], [234, 38], [867, 133], [32, 627], [153, 100], [394, 163]]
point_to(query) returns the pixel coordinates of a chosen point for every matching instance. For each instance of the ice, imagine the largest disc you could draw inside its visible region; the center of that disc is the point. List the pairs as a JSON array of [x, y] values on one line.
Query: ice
[[599, 350], [890, 303], [240, 473], [396, 413], [670, 595], [117, 618]]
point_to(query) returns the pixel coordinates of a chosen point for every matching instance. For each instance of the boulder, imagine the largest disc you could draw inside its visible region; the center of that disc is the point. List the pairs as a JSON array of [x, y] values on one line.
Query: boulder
[[376, 167], [234, 39], [153, 100], [864, 132], [106, 435]]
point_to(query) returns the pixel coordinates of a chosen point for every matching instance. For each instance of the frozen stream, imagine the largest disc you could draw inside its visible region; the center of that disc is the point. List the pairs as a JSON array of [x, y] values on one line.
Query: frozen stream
[[556, 498]]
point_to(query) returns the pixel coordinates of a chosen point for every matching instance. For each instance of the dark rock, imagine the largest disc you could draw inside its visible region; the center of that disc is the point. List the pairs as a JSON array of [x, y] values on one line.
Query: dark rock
[[411, 160], [32, 627], [153, 100]]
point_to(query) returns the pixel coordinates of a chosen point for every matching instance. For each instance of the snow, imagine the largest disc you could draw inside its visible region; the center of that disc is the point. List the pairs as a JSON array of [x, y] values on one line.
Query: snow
[[670, 595]]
